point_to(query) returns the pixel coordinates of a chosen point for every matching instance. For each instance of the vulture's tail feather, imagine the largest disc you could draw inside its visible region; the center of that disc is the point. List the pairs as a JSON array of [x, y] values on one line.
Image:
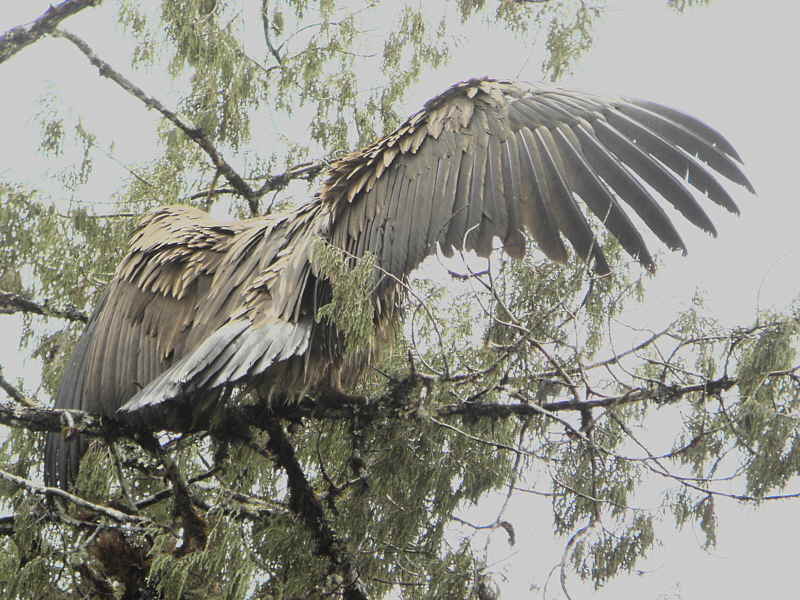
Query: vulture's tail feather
[[63, 450]]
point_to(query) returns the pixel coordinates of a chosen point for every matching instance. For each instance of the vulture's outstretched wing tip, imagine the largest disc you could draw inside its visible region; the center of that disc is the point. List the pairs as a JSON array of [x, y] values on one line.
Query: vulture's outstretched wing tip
[[713, 136]]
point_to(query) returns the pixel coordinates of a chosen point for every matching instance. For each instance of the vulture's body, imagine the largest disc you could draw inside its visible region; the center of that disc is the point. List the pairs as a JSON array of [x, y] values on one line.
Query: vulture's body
[[199, 304]]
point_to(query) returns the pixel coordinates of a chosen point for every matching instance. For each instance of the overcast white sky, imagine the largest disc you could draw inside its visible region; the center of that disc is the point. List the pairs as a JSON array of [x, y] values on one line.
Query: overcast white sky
[[734, 64]]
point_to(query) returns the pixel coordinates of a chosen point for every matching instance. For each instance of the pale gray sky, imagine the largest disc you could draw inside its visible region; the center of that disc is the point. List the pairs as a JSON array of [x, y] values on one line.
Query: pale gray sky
[[732, 64]]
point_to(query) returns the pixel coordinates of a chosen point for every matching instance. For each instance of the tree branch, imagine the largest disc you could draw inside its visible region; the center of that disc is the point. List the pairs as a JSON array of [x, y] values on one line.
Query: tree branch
[[306, 170], [267, 38], [17, 38], [333, 405], [193, 133], [305, 503], [53, 419], [209, 193], [14, 393], [36, 488], [664, 394], [7, 525], [11, 303], [195, 533], [250, 508], [272, 183]]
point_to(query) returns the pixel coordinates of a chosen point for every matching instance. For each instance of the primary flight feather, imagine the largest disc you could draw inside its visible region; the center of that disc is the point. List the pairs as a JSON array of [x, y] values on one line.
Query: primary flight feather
[[200, 304]]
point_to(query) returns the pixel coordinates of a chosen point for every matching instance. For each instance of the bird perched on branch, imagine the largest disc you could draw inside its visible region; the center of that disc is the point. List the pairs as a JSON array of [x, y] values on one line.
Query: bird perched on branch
[[199, 304]]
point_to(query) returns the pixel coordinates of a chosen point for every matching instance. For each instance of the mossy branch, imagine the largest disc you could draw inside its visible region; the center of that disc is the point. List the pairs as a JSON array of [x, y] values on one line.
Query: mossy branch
[[305, 503], [335, 405]]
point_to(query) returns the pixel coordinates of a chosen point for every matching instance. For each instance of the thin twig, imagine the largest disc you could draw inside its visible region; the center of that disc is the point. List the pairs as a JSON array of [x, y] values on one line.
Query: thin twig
[[475, 438]]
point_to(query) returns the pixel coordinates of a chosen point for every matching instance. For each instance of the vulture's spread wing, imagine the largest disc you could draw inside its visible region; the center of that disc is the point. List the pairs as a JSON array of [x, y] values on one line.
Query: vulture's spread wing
[[260, 320], [489, 158], [189, 283], [141, 324]]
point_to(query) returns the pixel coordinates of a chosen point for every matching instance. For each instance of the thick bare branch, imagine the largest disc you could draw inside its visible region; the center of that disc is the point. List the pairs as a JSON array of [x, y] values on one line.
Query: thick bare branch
[[192, 132], [17, 38], [11, 303]]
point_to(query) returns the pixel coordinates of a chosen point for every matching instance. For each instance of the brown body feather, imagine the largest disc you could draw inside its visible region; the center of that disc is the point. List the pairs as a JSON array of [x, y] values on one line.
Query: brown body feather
[[199, 304]]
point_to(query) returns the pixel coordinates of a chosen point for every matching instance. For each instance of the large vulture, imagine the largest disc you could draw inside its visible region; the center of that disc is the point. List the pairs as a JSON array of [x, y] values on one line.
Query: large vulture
[[200, 304]]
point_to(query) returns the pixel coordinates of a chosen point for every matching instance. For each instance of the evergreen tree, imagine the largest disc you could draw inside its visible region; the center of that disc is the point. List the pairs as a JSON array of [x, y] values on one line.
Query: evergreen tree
[[350, 495]]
